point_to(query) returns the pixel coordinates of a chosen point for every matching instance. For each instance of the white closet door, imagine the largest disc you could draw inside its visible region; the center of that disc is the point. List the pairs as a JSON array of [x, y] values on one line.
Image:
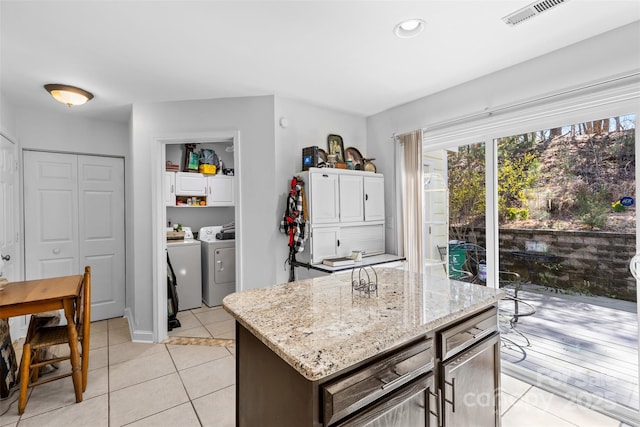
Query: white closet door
[[51, 215], [101, 232], [74, 216]]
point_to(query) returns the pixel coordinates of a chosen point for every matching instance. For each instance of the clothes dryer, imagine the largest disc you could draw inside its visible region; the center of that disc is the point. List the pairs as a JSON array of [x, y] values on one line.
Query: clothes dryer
[[218, 266]]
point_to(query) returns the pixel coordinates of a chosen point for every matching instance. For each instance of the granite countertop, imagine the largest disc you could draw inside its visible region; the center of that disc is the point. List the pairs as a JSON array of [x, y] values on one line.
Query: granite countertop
[[319, 326]]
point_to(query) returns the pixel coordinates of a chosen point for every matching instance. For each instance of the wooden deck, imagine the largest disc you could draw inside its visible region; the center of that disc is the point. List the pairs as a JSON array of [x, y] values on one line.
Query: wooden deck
[[587, 342]]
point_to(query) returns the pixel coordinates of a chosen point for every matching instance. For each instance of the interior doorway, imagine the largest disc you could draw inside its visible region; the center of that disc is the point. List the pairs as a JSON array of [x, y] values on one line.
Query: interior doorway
[[225, 139]]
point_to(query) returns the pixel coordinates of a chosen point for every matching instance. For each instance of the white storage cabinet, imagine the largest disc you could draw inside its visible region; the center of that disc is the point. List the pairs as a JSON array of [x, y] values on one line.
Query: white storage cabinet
[[220, 190], [346, 213], [191, 184]]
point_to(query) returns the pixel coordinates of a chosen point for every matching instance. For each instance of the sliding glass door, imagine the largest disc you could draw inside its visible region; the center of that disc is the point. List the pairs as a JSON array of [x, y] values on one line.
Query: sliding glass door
[[559, 206], [567, 227]]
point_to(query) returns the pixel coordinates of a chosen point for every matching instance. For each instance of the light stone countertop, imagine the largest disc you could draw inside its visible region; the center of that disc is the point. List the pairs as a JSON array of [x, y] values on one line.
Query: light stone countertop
[[319, 326]]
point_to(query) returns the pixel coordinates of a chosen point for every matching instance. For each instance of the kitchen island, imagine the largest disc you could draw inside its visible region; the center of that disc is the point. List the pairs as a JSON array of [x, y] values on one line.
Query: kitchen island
[[317, 353]]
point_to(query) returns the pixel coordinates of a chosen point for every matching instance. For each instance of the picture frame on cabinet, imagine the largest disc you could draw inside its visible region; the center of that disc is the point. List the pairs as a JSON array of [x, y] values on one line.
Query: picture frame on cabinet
[[336, 146]]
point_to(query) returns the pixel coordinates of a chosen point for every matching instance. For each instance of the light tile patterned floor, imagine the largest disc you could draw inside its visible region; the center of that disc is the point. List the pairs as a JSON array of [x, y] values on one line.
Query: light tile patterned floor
[[138, 385]]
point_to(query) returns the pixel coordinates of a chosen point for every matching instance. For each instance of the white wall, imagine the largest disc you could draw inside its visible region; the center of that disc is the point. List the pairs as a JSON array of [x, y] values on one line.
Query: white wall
[[7, 119], [252, 117], [610, 54], [308, 125], [68, 132]]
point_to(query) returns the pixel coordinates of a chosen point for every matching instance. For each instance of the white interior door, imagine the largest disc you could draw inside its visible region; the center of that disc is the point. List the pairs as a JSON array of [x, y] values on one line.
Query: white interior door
[[9, 223], [74, 216], [101, 232], [50, 214]]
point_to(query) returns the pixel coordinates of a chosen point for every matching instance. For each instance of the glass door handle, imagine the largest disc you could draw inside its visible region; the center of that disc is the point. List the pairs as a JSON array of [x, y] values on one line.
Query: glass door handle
[[633, 265]]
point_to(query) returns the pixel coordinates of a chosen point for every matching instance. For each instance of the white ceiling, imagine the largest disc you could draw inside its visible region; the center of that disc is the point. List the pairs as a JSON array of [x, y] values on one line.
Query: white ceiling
[[340, 54]]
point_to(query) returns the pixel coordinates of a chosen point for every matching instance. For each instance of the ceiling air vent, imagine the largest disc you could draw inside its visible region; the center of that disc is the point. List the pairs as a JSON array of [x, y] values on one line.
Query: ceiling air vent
[[531, 10]]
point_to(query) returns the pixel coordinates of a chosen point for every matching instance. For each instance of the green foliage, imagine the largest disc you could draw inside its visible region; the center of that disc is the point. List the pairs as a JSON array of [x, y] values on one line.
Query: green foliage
[[592, 208], [517, 173], [467, 184], [516, 213], [515, 176]]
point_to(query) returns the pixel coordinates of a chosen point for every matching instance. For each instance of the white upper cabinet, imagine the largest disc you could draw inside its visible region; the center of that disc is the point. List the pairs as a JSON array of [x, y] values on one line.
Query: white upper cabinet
[[191, 184], [346, 213], [373, 198], [220, 190], [344, 196], [170, 188], [324, 198]]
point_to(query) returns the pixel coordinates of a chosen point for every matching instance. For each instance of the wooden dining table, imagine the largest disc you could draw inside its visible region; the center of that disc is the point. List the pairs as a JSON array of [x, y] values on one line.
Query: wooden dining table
[[37, 296]]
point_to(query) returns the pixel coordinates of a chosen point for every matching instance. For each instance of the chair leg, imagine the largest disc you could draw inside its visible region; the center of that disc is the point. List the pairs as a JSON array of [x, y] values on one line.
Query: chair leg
[[85, 363], [24, 377], [35, 372]]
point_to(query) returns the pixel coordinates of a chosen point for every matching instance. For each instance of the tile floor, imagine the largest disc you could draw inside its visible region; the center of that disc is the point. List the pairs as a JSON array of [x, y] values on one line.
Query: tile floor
[[137, 384]]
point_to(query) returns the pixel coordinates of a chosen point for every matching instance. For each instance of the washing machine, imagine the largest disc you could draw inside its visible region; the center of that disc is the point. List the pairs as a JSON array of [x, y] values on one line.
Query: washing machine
[[218, 266]]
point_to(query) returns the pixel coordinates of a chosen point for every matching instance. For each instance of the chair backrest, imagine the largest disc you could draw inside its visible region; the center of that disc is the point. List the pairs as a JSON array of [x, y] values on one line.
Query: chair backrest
[[83, 305]]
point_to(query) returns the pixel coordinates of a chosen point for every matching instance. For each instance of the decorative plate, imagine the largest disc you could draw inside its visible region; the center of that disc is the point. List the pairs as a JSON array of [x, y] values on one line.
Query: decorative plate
[[352, 153], [369, 166]]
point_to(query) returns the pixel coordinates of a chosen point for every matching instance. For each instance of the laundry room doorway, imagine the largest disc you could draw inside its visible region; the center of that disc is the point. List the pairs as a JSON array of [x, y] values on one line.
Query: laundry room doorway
[[199, 189]]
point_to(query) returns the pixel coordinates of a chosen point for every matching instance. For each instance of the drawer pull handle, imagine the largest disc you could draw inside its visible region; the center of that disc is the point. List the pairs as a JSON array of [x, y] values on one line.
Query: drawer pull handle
[[398, 380], [452, 402], [437, 412], [476, 332]]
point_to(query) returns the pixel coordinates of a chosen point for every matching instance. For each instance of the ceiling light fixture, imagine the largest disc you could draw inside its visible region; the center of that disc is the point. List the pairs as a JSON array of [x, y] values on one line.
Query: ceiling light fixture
[[409, 28], [69, 95]]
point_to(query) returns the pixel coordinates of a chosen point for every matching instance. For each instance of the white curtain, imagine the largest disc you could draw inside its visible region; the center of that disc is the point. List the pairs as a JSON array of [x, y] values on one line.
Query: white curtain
[[411, 193]]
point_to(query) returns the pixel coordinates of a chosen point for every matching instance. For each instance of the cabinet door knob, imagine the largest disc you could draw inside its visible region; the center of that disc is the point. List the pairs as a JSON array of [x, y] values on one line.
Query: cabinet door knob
[[56, 251], [6, 257], [366, 197]]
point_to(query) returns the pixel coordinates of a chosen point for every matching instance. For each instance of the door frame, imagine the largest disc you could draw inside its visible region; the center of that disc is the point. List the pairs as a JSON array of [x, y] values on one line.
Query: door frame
[[159, 218], [17, 325]]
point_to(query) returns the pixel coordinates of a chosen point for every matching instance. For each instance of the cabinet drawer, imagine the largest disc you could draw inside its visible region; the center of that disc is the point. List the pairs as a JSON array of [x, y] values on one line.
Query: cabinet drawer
[[467, 333], [348, 394]]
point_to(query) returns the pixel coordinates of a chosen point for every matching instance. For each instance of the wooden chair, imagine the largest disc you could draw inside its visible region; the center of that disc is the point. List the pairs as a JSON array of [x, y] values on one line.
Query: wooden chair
[[40, 337]]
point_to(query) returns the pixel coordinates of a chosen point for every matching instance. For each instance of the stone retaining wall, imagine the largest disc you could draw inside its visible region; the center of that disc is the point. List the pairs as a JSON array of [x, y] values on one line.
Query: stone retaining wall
[[590, 262]]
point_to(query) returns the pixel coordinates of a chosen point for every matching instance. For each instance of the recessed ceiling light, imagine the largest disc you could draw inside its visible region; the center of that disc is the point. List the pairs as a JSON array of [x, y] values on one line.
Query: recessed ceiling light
[[409, 28]]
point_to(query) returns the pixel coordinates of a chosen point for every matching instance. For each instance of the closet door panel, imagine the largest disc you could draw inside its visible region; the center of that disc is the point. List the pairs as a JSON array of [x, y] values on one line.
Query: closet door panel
[[51, 215], [101, 231]]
